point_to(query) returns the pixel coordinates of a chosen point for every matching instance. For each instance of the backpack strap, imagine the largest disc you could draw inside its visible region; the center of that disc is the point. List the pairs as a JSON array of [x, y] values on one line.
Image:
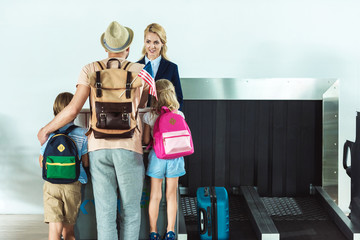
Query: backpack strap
[[101, 65], [98, 80], [66, 131], [165, 109], [128, 85], [126, 66], [113, 59], [98, 85]]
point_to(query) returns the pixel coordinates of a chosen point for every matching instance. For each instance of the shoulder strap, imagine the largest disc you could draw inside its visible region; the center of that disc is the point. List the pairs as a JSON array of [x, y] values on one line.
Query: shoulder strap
[[66, 131], [165, 109], [128, 85], [101, 65], [125, 64], [98, 84], [97, 80]]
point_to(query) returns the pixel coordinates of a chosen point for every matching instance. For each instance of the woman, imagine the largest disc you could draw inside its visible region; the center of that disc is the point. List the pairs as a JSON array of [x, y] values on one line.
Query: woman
[[154, 50]]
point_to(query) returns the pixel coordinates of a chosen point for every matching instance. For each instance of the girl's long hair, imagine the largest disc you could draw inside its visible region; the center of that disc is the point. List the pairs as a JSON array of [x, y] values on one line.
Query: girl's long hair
[[166, 96]]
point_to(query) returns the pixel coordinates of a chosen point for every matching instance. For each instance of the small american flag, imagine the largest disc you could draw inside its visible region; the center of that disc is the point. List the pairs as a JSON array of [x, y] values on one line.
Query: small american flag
[[147, 75]]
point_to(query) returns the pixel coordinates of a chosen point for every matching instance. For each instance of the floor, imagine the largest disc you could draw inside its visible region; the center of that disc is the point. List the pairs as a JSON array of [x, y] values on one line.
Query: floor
[[20, 227]]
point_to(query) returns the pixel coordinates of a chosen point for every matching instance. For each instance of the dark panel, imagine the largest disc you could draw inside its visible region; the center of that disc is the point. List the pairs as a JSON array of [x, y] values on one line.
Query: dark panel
[[235, 122], [248, 160], [293, 147], [278, 158], [307, 164], [263, 148], [193, 162], [219, 172], [274, 145], [207, 122], [317, 181]]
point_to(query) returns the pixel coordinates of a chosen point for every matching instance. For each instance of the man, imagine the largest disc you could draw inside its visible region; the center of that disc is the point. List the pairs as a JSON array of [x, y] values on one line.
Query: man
[[114, 163]]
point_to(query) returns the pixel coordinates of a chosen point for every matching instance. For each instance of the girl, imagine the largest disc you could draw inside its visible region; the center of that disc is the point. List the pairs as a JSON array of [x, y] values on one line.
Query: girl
[[157, 169]]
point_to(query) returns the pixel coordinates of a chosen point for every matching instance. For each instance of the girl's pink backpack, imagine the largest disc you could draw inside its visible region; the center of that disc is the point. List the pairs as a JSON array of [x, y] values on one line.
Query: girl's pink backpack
[[172, 136]]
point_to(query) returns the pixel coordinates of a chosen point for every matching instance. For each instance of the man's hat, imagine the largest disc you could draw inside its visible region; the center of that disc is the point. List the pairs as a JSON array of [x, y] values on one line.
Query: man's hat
[[117, 38]]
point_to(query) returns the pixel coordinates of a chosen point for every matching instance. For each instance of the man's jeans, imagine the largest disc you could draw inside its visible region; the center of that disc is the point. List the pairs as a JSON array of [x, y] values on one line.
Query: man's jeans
[[110, 169]]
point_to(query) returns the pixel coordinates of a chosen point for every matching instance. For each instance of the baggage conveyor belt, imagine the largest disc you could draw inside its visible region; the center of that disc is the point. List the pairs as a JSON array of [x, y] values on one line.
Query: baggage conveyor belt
[[240, 225], [286, 218]]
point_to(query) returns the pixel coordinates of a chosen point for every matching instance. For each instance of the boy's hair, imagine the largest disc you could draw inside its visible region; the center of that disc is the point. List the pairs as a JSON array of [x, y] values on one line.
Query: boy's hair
[[61, 101], [166, 96]]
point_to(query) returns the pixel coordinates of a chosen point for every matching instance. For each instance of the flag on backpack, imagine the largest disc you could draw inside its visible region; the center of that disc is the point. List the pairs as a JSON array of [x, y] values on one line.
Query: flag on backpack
[[148, 76], [171, 136]]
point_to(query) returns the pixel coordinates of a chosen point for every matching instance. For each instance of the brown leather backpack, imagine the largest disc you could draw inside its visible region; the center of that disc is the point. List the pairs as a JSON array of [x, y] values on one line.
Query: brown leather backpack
[[113, 112]]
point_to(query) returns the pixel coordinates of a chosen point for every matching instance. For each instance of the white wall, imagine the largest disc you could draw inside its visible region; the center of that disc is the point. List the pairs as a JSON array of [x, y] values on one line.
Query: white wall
[[44, 44]]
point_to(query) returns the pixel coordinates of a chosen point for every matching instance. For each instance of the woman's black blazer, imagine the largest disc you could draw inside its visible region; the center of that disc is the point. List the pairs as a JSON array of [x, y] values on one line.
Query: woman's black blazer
[[169, 70]]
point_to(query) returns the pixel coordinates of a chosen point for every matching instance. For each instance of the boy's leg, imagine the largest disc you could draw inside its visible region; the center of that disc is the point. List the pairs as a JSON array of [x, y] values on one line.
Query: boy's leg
[[105, 193], [55, 229], [171, 202], [68, 232], [129, 168], [155, 197], [72, 202]]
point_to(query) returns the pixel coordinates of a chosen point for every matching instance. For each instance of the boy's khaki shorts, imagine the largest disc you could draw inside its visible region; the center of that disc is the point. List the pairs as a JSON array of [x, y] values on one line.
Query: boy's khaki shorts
[[61, 202]]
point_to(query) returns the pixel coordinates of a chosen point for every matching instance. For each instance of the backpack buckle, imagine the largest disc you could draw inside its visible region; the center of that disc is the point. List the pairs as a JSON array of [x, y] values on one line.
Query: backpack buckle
[[128, 92], [125, 117], [102, 120], [98, 86]]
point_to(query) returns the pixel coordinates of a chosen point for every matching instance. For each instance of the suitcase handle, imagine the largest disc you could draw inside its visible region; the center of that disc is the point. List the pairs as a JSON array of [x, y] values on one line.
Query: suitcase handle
[[214, 218], [206, 191], [347, 148], [203, 221]]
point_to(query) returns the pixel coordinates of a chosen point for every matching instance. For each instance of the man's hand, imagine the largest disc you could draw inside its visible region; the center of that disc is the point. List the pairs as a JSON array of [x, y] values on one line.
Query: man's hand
[[40, 160], [42, 136]]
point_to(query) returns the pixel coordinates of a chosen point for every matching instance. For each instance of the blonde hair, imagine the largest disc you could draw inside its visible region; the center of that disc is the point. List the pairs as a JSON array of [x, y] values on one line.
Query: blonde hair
[[61, 101], [166, 96], [160, 31]]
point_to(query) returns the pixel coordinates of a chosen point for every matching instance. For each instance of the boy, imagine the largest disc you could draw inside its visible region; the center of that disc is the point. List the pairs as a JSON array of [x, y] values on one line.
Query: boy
[[62, 201]]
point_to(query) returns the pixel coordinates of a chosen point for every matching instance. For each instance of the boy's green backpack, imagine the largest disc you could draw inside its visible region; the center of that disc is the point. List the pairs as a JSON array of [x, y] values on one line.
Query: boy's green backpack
[[61, 163]]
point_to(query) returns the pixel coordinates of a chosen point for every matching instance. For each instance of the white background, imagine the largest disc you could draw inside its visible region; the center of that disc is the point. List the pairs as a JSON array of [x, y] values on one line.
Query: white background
[[44, 44]]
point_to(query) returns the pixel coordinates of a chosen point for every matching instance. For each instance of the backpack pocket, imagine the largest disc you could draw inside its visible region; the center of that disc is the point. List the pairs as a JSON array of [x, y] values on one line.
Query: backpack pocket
[[113, 115], [61, 167], [177, 142]]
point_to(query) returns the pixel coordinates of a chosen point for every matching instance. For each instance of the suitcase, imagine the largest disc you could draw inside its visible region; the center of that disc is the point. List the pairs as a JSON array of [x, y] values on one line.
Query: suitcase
[[213, 213]]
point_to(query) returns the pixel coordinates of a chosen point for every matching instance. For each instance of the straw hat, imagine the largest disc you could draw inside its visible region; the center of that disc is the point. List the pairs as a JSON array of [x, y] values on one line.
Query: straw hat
[[117, 38]]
